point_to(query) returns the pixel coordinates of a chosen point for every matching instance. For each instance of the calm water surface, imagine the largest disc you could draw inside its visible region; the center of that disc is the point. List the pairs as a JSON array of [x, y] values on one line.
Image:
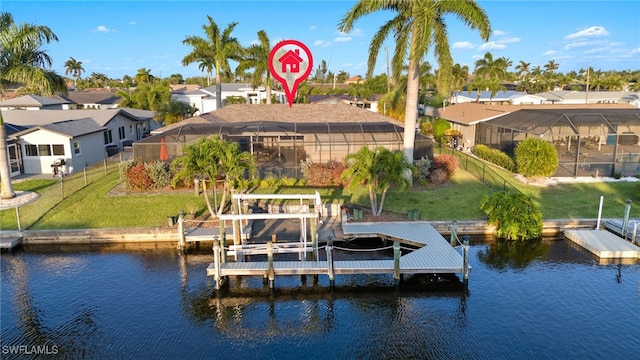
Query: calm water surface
[[546, 300]]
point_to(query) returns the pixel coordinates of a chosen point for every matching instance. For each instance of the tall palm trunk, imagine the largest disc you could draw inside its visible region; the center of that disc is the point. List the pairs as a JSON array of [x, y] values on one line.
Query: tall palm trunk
[[5, 171], [411, 110], [268, 87], [206, 197], [218, 91]]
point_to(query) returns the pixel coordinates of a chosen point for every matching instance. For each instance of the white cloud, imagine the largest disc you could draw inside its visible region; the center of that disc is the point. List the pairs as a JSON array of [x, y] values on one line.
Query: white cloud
[[312, 27], [509, 40], [499, 33], [596, 50], [463, 45], [322, 43], [103, 29], [588, 32], [492, 45], [579, 44], [549, 53], [133, 23], [342, 39], [354, 32]]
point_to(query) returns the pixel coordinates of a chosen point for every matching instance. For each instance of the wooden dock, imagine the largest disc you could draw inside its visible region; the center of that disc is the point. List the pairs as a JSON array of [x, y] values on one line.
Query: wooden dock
[[434, 254], [603, 244]]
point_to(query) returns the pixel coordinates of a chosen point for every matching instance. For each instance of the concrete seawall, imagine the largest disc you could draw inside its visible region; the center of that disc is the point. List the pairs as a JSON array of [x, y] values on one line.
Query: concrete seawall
[[152, 235]]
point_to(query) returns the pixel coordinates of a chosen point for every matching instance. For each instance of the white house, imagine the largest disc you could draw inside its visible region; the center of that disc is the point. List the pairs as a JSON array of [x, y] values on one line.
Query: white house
[[204, 99], [80, 137], [71, 144]]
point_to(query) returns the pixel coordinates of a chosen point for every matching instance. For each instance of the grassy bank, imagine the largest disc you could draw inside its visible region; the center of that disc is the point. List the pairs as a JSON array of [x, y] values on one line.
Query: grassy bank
[[459, 199]]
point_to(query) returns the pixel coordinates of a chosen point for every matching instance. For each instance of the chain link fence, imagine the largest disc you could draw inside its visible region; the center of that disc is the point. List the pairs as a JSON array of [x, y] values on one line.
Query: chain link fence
[[25, 216], [480, 170]]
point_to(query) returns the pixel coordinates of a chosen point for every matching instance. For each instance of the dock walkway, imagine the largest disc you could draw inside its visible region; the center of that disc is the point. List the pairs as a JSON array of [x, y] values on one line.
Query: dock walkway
[[434, 254]]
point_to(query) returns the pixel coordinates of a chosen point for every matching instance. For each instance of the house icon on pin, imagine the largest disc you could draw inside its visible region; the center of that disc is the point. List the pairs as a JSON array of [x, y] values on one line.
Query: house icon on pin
[[292, 60]]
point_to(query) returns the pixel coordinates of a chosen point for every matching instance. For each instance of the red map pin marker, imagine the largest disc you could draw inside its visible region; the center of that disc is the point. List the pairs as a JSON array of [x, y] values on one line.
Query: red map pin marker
[[290, 62]]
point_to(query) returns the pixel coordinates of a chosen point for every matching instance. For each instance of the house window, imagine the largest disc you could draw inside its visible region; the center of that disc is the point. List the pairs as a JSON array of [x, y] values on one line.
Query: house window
[[108, 137], [31, 150], [76, 147], [121, 132], [58, 150], [44, 150], [130, 129]]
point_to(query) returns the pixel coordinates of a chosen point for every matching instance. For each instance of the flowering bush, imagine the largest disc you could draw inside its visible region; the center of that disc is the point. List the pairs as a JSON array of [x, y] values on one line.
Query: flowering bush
[[446, 162], [329, 174]]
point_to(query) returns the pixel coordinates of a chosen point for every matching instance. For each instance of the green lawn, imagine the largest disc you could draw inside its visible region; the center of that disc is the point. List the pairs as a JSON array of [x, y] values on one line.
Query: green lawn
[[458, 199]]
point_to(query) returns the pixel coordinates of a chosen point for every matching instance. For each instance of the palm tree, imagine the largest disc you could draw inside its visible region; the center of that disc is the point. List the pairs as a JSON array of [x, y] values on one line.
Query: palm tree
[[551, 66], [377, 170], [492, 72], [74, 67], [214, 51], [460, 76], [214, 158], [23, 62], [417, 26], [143, 76], [257, 57], [523, 69]]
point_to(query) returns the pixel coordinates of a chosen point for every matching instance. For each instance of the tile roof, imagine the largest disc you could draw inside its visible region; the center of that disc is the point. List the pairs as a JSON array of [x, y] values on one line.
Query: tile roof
[[300, 113]]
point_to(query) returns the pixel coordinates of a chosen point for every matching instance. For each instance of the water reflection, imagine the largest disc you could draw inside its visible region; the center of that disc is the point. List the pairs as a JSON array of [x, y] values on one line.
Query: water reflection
[[155, 302], [504, 254]]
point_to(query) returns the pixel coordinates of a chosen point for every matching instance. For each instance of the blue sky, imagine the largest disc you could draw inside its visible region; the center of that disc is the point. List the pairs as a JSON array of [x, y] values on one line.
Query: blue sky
[[117, 38]]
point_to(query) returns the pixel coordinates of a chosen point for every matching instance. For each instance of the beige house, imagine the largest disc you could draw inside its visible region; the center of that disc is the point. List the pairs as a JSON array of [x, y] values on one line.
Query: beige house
[[280, 137]]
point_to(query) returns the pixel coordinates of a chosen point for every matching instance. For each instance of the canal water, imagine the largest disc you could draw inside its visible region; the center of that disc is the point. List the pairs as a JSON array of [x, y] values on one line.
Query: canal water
[[541, 300]]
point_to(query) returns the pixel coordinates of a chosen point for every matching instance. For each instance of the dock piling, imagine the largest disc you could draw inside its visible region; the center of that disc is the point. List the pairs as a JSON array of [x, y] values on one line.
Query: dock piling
[[216, 262], [181, 238], [625, 219], [396, 263], [330, 270], [272, 274], [465, 259], [453, 236]]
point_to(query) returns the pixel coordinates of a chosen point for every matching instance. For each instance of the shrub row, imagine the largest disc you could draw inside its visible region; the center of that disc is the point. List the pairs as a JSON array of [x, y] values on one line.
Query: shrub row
[[495, 156]]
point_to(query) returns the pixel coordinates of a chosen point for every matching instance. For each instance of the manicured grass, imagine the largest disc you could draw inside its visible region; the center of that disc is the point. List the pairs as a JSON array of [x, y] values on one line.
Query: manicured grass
[[459, 199]]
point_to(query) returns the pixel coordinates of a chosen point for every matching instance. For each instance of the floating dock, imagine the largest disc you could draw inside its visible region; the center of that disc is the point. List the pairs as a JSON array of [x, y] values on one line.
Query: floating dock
[[604, 244], [10, 242]]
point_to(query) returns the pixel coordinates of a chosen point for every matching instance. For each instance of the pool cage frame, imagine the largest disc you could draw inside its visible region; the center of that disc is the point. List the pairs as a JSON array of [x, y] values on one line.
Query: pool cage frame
[[280, 147], [589, 143]]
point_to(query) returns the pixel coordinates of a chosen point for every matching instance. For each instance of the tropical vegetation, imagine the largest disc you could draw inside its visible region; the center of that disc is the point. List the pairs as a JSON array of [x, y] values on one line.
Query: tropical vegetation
[[514, 214], [378, 170]]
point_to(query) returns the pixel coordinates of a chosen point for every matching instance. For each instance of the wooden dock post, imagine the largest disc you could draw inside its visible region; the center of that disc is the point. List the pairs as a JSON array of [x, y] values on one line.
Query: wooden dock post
[[272, 274], [396, 262], [465, 260], [216, 262], [181, 239], [453, 236], [330, 270]]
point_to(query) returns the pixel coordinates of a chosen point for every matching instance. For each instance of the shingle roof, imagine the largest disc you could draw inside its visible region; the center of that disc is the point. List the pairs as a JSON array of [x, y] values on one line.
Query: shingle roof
[[471, 113], [34, 101], [43, 117], [70, 128], [94, 98]]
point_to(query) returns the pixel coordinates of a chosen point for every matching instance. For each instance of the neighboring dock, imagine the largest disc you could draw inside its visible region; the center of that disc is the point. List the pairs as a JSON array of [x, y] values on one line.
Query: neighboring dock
[[603, 244], [630, 231], [10, 242]]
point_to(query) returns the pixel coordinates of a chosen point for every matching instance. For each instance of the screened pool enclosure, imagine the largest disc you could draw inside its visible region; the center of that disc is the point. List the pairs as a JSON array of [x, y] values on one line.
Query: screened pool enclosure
[[593, 142], [279, 147]]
